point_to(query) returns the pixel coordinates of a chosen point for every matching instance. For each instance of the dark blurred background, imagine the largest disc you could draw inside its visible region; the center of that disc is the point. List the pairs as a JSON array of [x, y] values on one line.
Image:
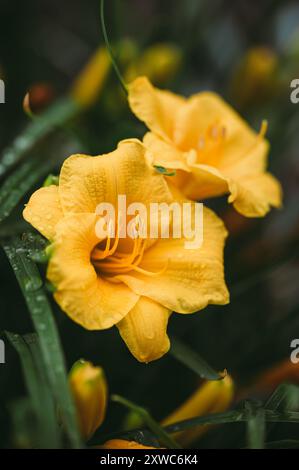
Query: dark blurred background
[[249, 53]]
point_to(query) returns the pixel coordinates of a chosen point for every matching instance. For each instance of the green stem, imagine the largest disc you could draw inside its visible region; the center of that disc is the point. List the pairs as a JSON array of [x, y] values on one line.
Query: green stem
[[109, 49], [155, 427]]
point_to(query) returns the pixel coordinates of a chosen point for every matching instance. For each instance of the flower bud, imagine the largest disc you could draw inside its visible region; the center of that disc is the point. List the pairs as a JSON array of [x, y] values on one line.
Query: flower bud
[[211, 397], [90, 81], [89, 390]]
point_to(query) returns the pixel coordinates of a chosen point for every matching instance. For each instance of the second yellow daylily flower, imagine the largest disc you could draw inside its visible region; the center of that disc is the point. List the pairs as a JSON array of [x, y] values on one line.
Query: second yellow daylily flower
[[133, 284], [212, 149]]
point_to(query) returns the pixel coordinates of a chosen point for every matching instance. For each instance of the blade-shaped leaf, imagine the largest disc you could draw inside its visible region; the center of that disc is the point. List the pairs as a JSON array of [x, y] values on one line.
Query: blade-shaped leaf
[[25, 432], [32, 170], [284, 444], [284, 417], [256, 425], [194, 361], [155, 427], [284, 397], [217, 418], [48, 433], [42, 317], [56, 115]]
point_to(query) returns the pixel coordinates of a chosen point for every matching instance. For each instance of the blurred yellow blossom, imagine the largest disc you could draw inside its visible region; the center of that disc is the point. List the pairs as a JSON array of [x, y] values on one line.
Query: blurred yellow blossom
[[159, 62], [213, 151], [91, 79], [254, 77]]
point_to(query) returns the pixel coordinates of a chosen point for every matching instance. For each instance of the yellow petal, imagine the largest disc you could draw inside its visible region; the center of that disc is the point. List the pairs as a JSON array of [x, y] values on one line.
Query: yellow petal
[[144, 330], [164, 153], [206, 110], [123, 444], [193, 278], [156, 108], [89, 300], [87, 181], [204, 181], [90, 392], [44, 211], [254, 195]]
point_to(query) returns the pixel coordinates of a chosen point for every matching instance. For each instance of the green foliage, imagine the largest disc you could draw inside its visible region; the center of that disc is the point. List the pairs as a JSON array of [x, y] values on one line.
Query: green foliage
[[39, 308]]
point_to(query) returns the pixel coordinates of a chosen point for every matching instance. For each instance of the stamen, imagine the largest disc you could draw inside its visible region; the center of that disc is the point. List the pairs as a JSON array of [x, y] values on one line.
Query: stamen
[[101, 254], [223, 132], [263, 129], [259, 137], [127, 259], [210, 145], [150, 273], [201, 143], [214, 132], [111, 262]]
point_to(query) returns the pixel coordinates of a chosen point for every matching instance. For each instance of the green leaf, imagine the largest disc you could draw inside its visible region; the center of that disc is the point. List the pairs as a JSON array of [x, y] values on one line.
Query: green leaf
[[24, 425], [256, 425], [194, 361], [56, 115], [48, 435], [147, 419], [284, 397], [32, 170], [235, 416], [17, 185], [164, 171], [283, 444], [36, 247], [41, 314], [51, 180], [285, 417]]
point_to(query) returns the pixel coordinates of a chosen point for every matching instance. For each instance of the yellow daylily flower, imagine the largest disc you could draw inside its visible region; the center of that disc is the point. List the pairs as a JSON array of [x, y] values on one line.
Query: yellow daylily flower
[[89, 389], [212, 149], [211, 397], [133, 284]]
